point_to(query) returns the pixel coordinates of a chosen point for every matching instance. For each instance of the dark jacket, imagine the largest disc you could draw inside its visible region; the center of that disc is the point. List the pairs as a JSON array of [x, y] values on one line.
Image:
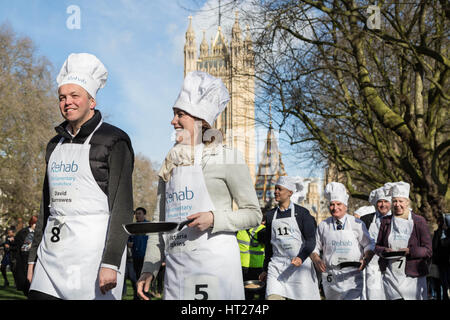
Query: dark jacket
[[419, 244], [441, 247], [367, 219], [111, 160], [307, 225]]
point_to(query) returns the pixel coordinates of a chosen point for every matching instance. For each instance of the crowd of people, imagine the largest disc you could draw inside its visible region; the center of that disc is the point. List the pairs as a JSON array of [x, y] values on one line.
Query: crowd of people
[[80, 249], [16, 246]]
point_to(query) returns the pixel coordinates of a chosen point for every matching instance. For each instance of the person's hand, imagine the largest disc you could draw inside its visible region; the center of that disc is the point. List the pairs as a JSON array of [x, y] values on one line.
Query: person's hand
[[320, 265], [366, 259], [30, 272], [143, 285], [203, 220], [262, 276], [297, 262], [107, 279], [406, 251]]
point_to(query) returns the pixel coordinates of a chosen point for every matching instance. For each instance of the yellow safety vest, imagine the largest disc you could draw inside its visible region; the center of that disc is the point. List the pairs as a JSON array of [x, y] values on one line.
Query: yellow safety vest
[[252, 252]]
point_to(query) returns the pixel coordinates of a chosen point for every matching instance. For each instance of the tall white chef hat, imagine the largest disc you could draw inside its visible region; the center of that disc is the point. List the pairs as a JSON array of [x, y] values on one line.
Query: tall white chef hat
[[287, 182], [400, 190], [380, 194], [202, 96], [335, 191], [85, 70], [299, 192]]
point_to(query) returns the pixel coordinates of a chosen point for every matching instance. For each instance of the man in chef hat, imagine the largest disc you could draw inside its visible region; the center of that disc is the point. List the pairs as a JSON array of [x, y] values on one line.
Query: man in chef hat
[[290, 239], [343, 248], [78, 250], [381, 200]]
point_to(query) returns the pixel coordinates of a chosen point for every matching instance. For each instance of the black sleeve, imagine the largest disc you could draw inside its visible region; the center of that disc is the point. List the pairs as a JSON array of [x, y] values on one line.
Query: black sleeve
[[267, 245], [120, 198], [307, 225]]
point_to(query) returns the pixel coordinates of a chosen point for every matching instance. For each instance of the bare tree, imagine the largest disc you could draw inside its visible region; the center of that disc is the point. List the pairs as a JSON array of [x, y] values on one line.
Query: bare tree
[[145, 184], [28, 113]]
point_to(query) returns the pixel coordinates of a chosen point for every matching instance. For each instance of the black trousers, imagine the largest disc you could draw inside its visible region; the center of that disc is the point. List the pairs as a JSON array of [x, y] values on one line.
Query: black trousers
[[37, 295]]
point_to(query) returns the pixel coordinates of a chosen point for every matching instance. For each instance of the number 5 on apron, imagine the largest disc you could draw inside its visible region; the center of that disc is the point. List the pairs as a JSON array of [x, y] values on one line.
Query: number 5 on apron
[[71, 250]]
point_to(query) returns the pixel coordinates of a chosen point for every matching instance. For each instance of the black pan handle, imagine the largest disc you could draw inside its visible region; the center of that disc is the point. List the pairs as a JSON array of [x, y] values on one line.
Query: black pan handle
[[182, 224]]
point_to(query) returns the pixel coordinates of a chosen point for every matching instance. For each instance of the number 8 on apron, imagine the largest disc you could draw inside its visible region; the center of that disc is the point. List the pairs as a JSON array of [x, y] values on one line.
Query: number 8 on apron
[[70, 253]]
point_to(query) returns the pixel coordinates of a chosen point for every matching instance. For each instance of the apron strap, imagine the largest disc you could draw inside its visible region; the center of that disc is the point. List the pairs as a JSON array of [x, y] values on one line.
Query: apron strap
[[198, 154], [90, 136]]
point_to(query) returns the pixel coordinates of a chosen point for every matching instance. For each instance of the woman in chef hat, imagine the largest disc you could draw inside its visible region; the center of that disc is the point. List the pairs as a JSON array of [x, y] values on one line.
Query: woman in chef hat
[[199, 179], [405, 249]]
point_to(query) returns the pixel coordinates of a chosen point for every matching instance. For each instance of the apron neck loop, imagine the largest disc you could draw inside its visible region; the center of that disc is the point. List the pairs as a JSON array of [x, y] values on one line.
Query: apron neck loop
[[88, 139], [291, 206], [343, 224]]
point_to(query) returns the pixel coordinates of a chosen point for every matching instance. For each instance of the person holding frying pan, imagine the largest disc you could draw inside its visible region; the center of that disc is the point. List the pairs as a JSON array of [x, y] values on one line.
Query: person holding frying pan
[[405, 249], [199, 180]]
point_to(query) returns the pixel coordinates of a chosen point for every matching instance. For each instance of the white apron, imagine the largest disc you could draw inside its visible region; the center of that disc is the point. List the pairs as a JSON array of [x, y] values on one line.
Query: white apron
[[396, 283], [199, 265], [342, 246], [283, 278], [70, 253], [373, 276]]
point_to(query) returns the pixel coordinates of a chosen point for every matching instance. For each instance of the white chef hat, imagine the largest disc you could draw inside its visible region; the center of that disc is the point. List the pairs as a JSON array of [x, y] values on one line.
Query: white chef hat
[[362, 211], [380, 194], [85, 70], [400, 190], [287, 182], [335, 191], [202, 96]]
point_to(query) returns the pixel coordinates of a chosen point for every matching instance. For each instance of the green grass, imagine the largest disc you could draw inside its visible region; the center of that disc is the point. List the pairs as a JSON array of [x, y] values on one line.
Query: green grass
[[10, 293]]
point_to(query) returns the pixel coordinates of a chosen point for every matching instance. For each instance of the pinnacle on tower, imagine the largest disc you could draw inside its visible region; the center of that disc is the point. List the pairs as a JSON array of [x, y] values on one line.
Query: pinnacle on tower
[[204, 48]]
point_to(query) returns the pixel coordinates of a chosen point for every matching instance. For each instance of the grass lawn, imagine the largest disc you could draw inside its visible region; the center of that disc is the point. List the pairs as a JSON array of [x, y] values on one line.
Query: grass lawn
[[10, 293]]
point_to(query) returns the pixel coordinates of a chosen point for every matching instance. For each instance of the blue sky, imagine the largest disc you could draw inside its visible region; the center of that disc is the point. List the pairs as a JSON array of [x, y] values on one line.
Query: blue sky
[[141, 44]]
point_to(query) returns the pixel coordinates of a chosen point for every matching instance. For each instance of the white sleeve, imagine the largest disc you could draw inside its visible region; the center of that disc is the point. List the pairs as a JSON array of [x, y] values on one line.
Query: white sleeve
[[364, 238]]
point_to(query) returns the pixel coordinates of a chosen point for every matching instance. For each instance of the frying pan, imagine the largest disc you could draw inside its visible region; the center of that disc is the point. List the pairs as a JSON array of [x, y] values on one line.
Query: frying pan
[[260, 285], [394, 254], [140, 228]]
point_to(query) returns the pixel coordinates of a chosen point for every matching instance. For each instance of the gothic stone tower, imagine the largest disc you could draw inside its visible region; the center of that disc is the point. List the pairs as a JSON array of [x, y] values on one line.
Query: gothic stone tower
[[233, 62]]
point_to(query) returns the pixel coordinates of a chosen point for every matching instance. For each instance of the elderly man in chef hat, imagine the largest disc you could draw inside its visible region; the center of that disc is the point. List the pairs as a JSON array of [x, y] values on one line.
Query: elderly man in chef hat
[[290, 239], [345, 246], [381, 200], [78, 250]]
